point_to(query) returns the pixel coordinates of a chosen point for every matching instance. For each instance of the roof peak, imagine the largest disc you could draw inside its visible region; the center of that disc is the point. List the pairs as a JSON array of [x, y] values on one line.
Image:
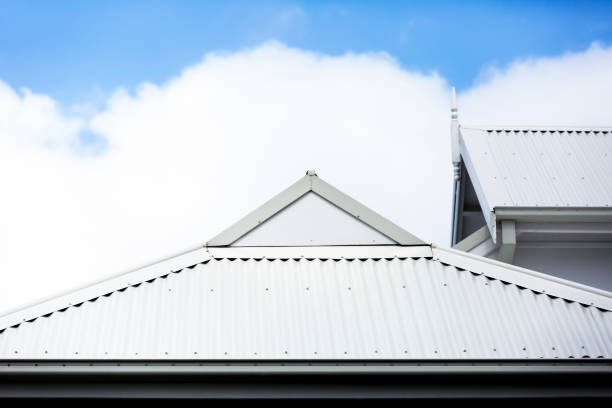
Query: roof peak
[[312, 183]]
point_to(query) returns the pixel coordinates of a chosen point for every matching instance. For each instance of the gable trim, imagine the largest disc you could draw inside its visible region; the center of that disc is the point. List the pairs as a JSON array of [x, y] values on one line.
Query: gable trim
[[311, 182], [526, 278], [76, 297], [487, 211]]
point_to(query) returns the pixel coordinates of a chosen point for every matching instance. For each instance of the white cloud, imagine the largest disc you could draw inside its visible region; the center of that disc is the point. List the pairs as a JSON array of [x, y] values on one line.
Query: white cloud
[[571, 89], [189, 157]]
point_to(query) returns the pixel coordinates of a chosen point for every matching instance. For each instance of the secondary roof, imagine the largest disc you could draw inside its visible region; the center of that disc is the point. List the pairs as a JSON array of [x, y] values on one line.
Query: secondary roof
[[542, 173], [540, 167]]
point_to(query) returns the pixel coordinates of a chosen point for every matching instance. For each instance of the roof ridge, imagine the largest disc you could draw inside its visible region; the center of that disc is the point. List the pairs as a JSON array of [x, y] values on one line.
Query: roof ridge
[[536, 281], [540, 128]]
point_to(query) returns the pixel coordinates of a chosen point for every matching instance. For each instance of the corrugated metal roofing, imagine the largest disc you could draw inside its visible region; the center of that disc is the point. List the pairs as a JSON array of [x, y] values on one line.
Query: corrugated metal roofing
[[556, 167], [316, 308]]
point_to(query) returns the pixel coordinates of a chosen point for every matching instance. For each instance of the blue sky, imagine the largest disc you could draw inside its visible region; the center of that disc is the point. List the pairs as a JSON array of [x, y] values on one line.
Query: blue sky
[[79, 51]]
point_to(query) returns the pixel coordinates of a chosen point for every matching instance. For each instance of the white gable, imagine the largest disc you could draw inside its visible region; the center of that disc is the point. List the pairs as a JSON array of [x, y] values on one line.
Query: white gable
[[313, 213], [312, 220]]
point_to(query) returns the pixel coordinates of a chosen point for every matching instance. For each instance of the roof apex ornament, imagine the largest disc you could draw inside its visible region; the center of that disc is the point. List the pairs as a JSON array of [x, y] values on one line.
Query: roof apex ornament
[[455, 136]]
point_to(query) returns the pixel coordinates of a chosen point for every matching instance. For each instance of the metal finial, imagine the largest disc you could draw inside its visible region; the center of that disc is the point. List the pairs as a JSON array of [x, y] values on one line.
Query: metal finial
[[454, 104], [454, 128]]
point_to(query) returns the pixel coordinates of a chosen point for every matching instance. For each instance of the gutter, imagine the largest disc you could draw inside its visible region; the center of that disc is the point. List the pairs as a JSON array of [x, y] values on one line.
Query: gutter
[[426, 367], [554, 214]]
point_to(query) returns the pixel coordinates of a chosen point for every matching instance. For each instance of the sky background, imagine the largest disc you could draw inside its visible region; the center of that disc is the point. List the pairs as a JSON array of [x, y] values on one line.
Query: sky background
[[130, 131], [76, 51]]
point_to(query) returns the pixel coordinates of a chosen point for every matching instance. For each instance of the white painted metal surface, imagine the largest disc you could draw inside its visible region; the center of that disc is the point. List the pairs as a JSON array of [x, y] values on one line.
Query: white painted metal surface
[[312, 220], [556, 167], [323, 308], [312, 183]]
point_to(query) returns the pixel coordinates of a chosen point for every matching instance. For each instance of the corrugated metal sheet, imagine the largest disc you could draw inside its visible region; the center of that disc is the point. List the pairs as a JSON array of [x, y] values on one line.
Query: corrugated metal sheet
[[541, 168], [313, 308]]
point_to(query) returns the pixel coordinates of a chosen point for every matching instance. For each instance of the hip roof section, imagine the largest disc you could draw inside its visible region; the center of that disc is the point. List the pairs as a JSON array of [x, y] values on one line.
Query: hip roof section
[[353, 303]]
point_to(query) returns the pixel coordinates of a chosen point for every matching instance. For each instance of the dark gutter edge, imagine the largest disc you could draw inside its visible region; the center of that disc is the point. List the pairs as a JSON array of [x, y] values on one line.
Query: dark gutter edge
[[287, 367]]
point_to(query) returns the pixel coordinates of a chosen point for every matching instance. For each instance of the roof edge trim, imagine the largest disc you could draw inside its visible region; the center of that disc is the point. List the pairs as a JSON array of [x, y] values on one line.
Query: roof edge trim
[[69, 367], [554, 214], [263, 212], [99, 288], [535, 281], [474, 239], [486, 209], [363, 213]]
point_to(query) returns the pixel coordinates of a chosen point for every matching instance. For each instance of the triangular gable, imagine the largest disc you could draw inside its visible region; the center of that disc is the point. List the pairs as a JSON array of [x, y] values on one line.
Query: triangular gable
[[268, 225], [312, 220]]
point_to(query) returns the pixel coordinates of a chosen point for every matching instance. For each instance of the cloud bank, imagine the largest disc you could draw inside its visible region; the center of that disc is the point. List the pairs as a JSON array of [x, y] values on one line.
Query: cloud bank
[[184, 159]]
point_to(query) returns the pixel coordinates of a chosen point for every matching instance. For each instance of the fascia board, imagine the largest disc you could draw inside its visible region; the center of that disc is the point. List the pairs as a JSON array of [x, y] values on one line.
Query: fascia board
[[363, 213], [314, 367], [100, 288], [536, 281], [332, 252], [478, 188], [554, 214], [262, 213]]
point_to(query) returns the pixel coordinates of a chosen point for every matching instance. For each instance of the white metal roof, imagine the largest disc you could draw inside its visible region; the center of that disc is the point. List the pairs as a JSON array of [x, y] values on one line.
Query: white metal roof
[[378, 302], [540, 167]]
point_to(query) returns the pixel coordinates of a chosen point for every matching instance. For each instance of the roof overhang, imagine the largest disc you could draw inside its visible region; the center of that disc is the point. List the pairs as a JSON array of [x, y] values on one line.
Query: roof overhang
[[553, 214], [359, 379]]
